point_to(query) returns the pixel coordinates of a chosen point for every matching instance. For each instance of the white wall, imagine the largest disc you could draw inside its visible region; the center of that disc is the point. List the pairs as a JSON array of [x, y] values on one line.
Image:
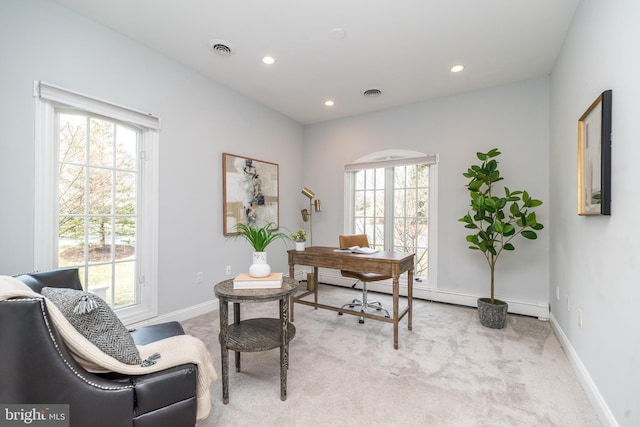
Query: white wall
[[596, 260], [200, 119], [513, 118]]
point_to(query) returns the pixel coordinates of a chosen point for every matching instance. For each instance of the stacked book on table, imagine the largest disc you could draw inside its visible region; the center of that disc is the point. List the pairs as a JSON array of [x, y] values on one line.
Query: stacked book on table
[[245, 281]]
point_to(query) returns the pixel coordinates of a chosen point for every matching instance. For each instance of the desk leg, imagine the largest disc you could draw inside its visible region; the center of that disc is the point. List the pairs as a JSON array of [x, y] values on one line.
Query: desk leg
[[315, 287], [396, 307], [284, 346], [224, 353], [410, 298], [236, 320]]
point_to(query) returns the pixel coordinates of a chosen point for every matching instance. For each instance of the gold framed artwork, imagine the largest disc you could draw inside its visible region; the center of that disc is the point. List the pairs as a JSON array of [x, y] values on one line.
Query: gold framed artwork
[[594, 158], [250, 192]]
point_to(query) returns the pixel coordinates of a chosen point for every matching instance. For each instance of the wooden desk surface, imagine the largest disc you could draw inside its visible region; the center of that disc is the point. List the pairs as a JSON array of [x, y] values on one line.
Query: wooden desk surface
[[382, 262]]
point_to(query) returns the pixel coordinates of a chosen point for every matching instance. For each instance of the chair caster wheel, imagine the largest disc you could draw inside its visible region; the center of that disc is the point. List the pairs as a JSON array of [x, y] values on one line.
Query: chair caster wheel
[[361, 320], [340, 313], [378, 309]]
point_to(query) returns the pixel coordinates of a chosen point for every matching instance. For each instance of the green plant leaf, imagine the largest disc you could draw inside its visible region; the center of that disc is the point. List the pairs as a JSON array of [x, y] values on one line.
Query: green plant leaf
[[508, 247], [531, 235], [492, 250], [514, 209], [493, 152], [258, 237], [509, 230]]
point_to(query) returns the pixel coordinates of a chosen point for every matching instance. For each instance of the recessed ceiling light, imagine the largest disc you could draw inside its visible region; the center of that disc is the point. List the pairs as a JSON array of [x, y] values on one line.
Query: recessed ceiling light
[[329, 103], [269, 60], [456, 68]]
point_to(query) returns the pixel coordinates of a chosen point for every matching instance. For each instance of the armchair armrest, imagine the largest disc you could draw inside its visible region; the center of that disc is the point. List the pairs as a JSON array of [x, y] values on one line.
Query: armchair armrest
[[164, 388]]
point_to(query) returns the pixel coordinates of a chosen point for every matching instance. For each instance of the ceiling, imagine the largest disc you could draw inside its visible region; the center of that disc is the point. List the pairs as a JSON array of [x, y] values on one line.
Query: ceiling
[[404, 48]]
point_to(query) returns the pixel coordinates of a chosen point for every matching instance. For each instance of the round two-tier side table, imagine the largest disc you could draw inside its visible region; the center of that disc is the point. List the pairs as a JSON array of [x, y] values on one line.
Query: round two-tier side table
[[258, 334]]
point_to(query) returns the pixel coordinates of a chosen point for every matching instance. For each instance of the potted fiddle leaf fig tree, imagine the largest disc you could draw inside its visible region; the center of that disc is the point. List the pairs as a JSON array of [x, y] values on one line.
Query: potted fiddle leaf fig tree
[[495, 221]]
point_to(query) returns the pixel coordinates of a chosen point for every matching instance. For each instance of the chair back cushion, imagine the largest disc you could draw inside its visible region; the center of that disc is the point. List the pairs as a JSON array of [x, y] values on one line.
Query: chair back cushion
[[347, 241], [59, 278]]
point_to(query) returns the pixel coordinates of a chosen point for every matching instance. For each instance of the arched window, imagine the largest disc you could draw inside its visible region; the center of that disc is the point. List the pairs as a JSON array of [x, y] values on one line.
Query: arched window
[[392, 198]]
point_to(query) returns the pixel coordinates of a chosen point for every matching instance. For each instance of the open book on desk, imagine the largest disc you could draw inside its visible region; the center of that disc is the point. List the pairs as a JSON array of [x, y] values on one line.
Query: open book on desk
[[357, 250]]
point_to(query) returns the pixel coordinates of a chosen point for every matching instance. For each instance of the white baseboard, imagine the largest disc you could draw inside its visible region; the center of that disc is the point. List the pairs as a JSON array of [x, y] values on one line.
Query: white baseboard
[[596, 399]]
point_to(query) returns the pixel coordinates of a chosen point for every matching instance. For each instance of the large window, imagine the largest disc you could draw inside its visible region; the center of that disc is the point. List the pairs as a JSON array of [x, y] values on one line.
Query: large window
[[392, 201], [97, 182], [97, 194]]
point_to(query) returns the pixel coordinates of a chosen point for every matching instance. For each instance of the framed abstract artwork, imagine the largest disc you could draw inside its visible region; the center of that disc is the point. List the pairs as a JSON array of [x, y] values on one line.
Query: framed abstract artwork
[[594, 158], [250, 192]]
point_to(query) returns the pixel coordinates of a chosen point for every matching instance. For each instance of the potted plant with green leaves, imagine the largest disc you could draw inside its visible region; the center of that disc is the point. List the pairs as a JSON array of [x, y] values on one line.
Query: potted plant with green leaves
[[300, 237], [259, 238], [495, 221]]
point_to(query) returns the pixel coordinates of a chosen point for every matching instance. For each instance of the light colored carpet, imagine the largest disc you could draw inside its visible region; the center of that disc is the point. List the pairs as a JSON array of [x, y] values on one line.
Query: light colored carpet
[[448, 371]]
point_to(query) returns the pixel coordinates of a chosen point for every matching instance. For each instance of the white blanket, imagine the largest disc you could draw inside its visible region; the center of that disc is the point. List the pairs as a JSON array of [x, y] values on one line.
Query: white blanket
[[174, 351]]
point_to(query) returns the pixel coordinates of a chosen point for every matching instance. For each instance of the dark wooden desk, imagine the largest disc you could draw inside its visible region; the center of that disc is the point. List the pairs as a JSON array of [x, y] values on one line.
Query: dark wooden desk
[[387, 263], [254, 334]]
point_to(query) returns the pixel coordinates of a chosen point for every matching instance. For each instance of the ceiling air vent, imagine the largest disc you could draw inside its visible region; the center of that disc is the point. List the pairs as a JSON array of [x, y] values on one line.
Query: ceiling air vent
[[221, 47], [371, 92]]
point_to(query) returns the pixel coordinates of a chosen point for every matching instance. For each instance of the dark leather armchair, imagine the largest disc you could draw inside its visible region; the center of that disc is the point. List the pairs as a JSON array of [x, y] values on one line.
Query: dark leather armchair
[[36, 368]]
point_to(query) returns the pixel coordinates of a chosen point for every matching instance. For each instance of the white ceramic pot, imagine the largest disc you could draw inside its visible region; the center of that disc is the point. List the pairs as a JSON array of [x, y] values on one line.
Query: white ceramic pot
[[300, 246], [259, 268]]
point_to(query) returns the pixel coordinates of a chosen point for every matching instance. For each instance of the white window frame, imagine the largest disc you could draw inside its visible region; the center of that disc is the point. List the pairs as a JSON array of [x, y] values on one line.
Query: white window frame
[[390, 158], [47, 98]]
